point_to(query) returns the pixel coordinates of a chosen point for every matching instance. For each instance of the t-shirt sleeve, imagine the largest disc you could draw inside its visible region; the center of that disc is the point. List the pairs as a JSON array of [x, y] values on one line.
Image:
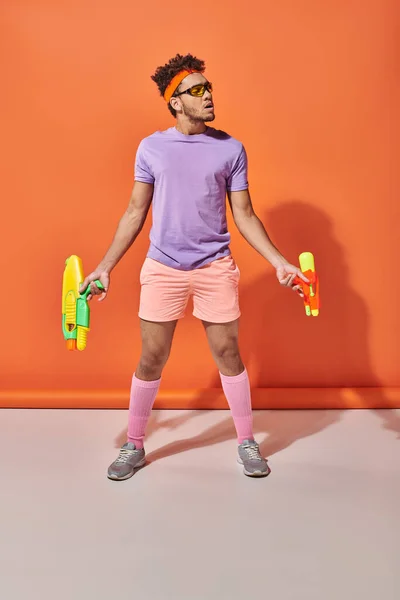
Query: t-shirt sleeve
[[143, 171], [237, 180]]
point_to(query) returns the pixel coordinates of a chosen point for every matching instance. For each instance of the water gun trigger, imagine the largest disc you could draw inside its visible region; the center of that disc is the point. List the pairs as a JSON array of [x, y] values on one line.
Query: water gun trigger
[[311, 286]]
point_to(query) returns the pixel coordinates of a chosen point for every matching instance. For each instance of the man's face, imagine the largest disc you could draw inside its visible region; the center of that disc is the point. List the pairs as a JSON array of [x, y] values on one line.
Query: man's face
[[196, 108]]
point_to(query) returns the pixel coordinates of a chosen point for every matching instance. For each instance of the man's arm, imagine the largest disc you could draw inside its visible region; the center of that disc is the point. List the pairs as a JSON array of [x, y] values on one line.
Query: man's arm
[[252, 228], [129, 227], [255, 234]]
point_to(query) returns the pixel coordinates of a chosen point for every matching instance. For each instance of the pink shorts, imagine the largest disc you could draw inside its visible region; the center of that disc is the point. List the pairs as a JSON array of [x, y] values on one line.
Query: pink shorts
[[165, 291]]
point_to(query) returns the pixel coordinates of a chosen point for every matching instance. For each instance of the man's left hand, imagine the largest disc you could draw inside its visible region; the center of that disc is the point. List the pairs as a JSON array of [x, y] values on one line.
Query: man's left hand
[[287, 274]]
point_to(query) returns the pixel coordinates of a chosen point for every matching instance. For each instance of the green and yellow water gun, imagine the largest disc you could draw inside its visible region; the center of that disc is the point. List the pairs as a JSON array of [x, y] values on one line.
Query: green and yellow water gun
[[75, 306]]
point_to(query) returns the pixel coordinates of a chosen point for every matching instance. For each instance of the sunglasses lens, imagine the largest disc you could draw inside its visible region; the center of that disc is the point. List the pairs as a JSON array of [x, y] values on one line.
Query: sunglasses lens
[[198, 90]]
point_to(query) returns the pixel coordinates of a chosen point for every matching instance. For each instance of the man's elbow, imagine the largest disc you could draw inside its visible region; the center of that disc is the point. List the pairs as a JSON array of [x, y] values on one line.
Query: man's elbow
[[243, 218], [134, 219]]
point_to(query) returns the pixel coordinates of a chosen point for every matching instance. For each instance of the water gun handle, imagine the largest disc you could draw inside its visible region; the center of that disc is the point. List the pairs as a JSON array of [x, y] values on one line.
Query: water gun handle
[[85, 294]]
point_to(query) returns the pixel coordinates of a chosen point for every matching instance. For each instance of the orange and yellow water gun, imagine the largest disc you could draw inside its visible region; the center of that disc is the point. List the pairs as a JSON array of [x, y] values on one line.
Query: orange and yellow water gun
[[311, 289], [75, 306]]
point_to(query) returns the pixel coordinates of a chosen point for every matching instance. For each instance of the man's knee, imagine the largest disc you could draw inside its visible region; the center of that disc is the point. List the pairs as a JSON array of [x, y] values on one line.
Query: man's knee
[[227, 357], [227, 349], [153, 361]]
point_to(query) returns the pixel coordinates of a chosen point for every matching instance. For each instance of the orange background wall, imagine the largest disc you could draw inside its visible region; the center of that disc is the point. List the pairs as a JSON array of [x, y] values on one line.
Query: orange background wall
[[312, 90]]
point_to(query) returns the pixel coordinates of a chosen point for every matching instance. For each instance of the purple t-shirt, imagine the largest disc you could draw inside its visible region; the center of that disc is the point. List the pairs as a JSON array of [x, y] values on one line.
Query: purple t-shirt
[[191, 175]]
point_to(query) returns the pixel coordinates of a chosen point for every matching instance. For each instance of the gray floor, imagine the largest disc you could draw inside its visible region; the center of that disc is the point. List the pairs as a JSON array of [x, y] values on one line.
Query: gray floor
[[324, 525]]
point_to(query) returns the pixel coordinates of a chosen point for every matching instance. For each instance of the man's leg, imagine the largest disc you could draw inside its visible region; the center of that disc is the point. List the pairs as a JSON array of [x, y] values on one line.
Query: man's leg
[[223, 342], [224, 345], [163, 298], [156, 346]]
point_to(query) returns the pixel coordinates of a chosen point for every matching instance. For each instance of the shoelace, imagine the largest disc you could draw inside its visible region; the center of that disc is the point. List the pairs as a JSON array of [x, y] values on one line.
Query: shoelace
[[253, 452], [125, 455]]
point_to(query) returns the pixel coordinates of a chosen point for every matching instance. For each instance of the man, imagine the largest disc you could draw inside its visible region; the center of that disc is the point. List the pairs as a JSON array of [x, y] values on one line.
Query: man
[[186, 172]]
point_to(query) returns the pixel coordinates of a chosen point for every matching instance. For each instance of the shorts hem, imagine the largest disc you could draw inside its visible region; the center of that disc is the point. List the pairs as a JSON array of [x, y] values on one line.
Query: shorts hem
[[216, 320], [157, 319]]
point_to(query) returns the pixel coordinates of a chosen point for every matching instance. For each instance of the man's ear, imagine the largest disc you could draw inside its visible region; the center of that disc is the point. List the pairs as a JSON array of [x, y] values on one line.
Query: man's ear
[[176, 104]]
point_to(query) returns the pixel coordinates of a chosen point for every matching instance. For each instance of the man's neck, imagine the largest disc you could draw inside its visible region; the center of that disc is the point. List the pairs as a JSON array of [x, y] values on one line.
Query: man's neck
[[191, 127]]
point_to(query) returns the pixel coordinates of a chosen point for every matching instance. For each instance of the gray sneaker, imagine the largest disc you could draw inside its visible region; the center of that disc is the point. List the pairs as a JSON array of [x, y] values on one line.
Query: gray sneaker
[[249, 456], [128, 461]]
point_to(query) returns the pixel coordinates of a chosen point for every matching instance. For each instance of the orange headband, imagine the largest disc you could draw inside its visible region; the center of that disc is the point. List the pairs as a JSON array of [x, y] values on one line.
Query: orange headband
[[176, 81]]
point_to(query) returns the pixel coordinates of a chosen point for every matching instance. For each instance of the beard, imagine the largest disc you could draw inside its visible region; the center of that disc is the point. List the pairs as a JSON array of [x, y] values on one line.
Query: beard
[[209, 118], [196, 116]]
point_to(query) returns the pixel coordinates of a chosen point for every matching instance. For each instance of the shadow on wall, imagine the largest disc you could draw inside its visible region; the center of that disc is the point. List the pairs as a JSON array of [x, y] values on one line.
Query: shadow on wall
[[287, 349]]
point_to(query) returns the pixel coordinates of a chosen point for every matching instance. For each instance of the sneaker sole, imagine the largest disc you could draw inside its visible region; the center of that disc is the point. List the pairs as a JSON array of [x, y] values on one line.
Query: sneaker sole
[[129, 475], [254, 473]]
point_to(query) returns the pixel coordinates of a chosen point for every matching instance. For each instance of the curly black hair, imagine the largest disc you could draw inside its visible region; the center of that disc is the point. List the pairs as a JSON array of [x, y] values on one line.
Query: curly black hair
[[164, 75]]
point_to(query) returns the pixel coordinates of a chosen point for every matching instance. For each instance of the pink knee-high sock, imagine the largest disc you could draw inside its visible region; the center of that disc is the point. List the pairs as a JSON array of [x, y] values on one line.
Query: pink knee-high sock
[[143, 394], [237, 392]]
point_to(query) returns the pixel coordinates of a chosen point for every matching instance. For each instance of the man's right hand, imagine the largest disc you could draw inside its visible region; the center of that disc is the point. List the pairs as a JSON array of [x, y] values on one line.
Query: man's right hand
[[104, 277]]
